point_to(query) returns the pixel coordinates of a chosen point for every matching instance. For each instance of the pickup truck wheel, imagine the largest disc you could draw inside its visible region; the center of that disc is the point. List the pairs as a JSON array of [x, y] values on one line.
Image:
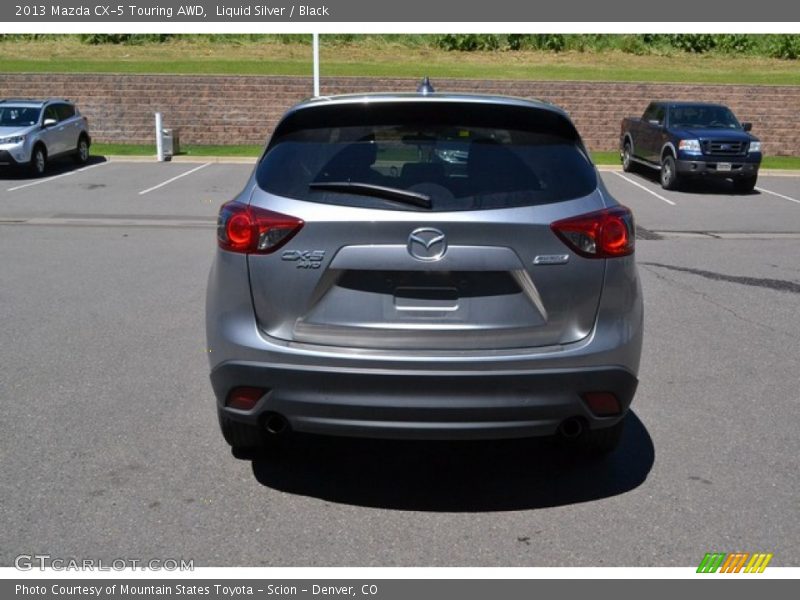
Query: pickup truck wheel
[[744, 185], [669, 173], [627, 163]]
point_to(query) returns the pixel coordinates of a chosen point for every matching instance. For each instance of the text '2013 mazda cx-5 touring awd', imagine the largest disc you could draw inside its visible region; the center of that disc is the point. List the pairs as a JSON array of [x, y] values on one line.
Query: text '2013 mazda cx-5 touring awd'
[[424, 266]]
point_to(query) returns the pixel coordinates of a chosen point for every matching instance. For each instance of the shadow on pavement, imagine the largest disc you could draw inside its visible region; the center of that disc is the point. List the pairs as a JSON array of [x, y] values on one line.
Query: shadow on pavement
[[700, 185], [454, 476], [58, 166]]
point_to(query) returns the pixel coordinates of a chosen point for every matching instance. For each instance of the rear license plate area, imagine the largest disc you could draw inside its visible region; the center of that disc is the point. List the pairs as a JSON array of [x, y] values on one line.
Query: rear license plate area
[[421, 299]]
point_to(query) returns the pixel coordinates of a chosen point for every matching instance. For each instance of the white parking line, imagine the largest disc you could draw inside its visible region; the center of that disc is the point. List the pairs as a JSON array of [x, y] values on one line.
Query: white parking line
[[760, 189], [639, 185], [46, 179], [155, 187]]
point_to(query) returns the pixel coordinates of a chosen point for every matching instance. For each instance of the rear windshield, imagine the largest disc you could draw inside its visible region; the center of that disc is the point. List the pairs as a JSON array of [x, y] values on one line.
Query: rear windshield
[[461, 157], [18, 116]]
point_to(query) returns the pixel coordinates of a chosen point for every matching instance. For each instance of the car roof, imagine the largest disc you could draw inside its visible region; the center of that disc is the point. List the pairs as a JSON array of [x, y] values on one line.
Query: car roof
[[436, 97], [32, 102], [685, 103]]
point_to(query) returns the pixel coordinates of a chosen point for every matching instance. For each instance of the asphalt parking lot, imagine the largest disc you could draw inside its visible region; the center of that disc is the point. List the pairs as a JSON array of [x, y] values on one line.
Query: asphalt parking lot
[[110, 445]]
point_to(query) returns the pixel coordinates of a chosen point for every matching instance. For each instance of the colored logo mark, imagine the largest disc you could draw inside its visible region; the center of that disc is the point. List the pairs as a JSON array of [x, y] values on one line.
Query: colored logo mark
[[737, 562]]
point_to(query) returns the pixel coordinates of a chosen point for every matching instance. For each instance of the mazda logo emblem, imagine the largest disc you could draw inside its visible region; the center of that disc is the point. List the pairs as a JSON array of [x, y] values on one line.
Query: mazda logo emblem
[[427, 243]]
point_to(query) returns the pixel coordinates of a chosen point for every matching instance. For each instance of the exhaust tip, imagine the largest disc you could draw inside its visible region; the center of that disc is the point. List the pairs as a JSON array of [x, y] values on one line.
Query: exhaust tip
[[276, 424], [571, 428]]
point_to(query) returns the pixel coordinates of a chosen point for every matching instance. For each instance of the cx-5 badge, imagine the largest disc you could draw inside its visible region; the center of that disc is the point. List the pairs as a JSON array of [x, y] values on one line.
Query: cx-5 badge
[[427, 243], [305, 259]]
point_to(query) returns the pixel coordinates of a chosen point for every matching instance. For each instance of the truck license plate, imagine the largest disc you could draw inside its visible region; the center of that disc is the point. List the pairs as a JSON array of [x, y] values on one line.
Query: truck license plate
[[723, 166]]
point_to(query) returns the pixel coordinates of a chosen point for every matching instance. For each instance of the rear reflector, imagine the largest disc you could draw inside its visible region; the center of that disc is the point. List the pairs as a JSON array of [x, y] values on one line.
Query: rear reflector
[[252, 230], [606, 233], [602, 404], [244, 398]]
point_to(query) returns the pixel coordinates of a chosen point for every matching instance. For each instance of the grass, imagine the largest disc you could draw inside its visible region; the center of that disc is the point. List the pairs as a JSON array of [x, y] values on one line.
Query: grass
[[605, 158], [781, 162], [383, 58], [123, 149], [241, 150], [219, 150]]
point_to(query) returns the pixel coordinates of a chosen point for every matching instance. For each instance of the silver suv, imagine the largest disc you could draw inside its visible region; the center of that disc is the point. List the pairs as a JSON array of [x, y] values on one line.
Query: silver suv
[[32, 132], [366, 286]]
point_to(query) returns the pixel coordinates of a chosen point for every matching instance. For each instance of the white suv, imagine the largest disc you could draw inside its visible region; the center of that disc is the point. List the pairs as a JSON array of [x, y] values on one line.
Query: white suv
[[32, 132]]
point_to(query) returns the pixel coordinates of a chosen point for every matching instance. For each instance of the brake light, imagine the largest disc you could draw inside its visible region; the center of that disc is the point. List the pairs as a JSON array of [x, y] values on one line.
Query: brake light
[[606, 233], [253, 230]]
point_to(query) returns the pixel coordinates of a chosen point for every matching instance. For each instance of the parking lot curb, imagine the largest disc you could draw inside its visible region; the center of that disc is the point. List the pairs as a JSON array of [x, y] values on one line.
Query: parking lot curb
[[771, 172], [241, 160], [251, 160], [780, 172]]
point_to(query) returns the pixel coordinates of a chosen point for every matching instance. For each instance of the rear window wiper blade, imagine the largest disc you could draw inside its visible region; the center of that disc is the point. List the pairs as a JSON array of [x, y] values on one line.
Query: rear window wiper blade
[[370, 189]]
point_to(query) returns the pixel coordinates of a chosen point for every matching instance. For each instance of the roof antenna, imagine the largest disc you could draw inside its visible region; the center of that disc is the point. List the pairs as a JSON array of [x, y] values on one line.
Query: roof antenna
[[425, 87]]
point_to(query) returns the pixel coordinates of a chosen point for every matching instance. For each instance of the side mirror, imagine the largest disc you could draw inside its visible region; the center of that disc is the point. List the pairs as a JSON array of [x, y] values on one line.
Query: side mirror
[[49, 122], [747, 126]]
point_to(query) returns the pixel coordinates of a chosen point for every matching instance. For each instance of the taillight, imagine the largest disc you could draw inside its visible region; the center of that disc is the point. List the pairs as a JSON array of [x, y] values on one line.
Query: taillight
[[606, 233], [253, 230]]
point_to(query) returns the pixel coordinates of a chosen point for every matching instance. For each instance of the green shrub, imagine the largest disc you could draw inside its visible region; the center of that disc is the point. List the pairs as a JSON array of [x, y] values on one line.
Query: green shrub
[[734, 43], [130, 39], [693, 42], [554, 42], [467, 42], [578, 43], [551, 41], [600, 41], [518, 41], [28, 37], [784, 46], [633, 44], [341, 38]]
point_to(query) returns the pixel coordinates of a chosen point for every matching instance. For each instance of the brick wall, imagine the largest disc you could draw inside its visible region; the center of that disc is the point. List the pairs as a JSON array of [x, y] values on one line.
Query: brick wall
[[243, 109]]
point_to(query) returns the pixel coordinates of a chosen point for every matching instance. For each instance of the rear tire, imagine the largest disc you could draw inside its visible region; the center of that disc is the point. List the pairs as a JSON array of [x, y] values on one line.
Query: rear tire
[[81, 155], [744, 185], [241, 436], [38, 161], [627, 162], [669, 173]]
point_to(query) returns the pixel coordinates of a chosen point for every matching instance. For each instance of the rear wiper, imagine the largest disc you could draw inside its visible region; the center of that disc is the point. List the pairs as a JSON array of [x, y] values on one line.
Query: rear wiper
[[369, 189]]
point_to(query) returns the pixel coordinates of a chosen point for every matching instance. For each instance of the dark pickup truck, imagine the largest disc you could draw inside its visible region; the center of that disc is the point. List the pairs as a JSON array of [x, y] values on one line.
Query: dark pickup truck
[[691, 139]]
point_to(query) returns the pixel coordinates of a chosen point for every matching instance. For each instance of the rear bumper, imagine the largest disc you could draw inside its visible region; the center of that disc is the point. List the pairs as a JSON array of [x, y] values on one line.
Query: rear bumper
[[423, 394], [710, 168], [416, 404]]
